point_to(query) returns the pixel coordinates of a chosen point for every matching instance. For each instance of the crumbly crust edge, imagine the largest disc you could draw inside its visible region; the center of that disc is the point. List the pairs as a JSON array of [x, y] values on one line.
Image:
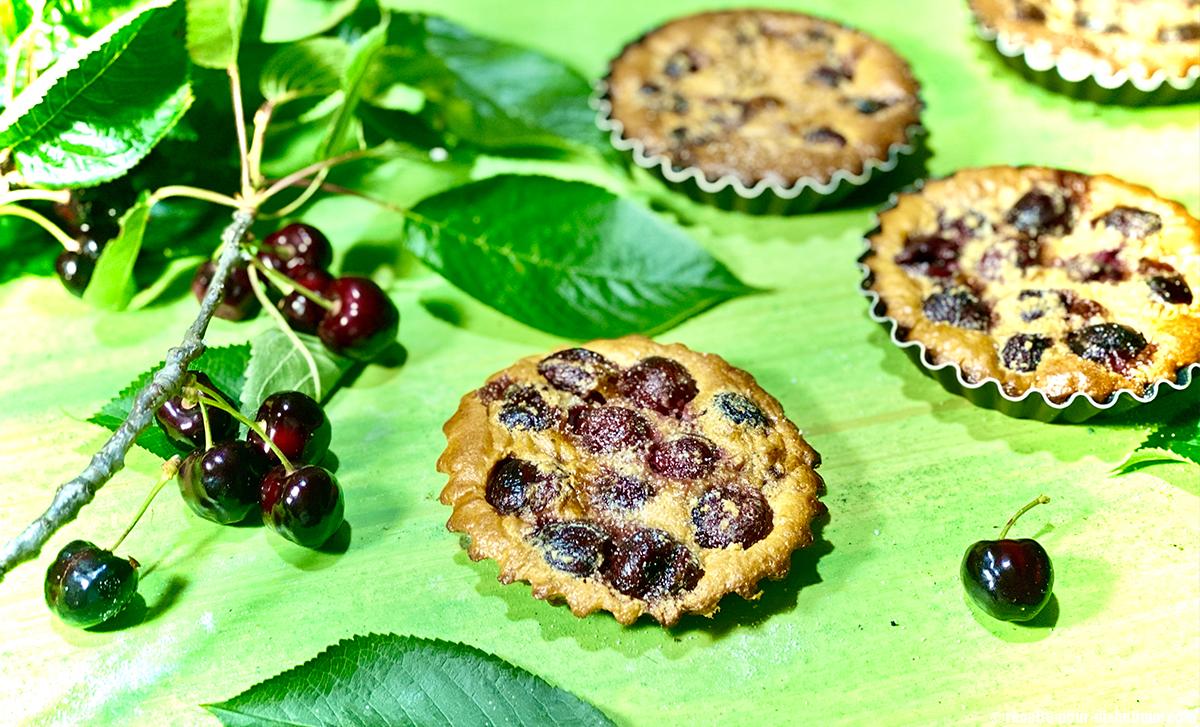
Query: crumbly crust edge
[[470, 453]]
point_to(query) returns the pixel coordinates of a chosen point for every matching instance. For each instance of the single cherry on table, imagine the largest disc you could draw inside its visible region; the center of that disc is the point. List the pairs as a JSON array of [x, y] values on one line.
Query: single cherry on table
[[1010, 580], [86, 585]]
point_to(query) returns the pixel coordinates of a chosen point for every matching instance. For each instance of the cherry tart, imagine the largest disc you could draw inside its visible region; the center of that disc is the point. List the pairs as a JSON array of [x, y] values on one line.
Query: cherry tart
[[1042, 280], [630, 476]]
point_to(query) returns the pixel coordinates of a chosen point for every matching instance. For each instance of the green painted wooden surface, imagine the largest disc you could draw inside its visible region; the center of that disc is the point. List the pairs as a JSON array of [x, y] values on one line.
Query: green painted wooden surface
[[870, 626]]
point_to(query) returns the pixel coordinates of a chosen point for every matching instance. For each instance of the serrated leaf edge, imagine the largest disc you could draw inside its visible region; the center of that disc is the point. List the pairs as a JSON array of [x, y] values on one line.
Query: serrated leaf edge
[[35, 93]]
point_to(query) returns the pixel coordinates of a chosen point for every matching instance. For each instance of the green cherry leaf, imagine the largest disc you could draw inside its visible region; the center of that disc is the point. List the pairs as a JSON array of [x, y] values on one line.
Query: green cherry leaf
[[214, 31], [103, 105], [486, 91], [285, 21], [338, 137], [1175, 441], [313, 67], [112, 285], [388, 679], [276, 365], [225, 366], [566, 257]]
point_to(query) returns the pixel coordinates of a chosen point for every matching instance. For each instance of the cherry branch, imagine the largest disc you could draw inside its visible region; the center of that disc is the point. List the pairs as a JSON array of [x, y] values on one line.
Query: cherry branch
[[166, 382]]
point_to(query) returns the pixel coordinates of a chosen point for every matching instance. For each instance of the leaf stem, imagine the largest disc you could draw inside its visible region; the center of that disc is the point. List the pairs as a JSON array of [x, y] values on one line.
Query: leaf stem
[[72, 496], [311, 169], [214, 399], [1041, 500], [181, 190], [239, 113], [169, 470], [309, 191], [262, 120], [257, 286], [55, 231], [286, 285]]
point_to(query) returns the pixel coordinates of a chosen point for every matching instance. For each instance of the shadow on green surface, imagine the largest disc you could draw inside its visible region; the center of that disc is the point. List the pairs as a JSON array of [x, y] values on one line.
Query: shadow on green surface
[[1036, 629]]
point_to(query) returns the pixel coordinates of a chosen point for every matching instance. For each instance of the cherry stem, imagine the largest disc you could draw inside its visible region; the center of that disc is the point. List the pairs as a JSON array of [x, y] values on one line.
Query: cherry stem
[[54, 230], [1041, 500], [169, 469], [207, 429], [277, 317], [212, 398], [286, 285]]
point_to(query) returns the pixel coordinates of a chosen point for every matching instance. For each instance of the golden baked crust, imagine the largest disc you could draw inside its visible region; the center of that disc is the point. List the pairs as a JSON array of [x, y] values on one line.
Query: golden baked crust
[[758, 94], [668, 529], [1136, 35], [1043, 279]]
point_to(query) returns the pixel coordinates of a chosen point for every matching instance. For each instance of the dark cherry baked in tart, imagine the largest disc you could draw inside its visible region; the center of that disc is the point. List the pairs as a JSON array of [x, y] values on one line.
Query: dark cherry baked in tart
[[763, 95], [1149, 36], [630, 476], [1042, 279]]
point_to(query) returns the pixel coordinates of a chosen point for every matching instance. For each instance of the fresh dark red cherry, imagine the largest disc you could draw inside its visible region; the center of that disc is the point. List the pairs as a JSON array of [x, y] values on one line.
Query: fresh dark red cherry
[[238, 301], [650, 564], [301, 312], [659, 383], [96, 211], [363, 321], [75, 267], [271, 488], [183, 423], [297, 424], [223, 484], [310, 507], [1009, 579], [572, 546], [86, 585], [294, 245]]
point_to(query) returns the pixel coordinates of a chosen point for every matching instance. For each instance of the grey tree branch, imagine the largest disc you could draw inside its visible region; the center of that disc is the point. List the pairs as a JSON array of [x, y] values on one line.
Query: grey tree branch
[[72, 496]]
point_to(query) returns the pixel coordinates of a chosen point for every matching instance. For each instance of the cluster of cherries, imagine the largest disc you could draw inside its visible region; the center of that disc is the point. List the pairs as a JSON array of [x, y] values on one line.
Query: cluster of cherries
[[274, 472], [352, 316]]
